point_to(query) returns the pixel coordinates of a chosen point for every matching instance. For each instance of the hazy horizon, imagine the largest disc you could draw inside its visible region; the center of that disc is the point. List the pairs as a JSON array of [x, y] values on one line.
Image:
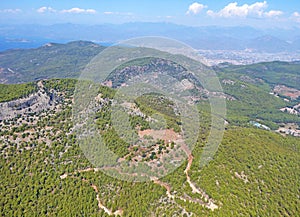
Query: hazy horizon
[[258, 14]]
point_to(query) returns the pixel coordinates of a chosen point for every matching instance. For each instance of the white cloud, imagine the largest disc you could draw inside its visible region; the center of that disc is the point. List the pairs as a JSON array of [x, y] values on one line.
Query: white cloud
[[195, 8], [273, 13], [90, 11], [256, 9], [45, 9], [233, 10], [117, 13], [79, 11], [72, 10], [13, 11], [296, 16], [42, 10], [108, 12]]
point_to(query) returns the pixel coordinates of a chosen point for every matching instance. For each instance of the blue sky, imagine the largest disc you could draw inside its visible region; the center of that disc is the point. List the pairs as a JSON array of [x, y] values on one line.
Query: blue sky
[[271, 13]]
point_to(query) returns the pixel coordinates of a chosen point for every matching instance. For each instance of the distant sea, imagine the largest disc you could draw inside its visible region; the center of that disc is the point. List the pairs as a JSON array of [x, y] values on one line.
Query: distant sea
[[22, 43]]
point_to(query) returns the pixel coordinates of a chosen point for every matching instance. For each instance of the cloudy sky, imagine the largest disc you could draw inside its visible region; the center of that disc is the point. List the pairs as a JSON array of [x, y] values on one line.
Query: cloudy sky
[[271, 13]]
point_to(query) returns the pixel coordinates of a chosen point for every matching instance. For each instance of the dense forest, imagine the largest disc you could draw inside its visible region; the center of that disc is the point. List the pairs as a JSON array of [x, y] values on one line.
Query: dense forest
[[44, 172], [15, 91]]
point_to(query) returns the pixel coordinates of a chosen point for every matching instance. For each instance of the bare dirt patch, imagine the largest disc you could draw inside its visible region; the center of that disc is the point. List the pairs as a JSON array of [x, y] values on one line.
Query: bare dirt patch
[[286, 91], [167, 135]]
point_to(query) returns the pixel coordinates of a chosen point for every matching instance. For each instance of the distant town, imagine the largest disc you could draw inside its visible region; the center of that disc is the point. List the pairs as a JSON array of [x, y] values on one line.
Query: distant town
[[244, 57]]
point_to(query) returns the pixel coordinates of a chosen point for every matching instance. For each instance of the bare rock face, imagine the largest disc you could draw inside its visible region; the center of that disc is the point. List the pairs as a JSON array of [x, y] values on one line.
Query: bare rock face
[[34, 103]]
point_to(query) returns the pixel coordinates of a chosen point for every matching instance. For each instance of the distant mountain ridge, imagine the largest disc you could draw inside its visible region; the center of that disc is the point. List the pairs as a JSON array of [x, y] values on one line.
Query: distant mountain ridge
[[203, 37], [270, 44], [55, 60]]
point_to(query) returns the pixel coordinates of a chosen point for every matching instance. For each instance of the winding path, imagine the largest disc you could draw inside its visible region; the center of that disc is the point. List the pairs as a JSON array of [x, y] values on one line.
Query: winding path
[[118, 212], [206, 202]]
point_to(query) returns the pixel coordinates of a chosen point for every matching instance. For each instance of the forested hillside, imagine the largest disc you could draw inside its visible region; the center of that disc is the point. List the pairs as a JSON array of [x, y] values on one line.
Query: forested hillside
[[49, 61], [44, 172]]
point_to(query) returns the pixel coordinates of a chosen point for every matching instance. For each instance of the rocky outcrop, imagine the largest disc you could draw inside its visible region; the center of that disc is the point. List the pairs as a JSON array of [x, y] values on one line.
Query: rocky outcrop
[[34, 103]]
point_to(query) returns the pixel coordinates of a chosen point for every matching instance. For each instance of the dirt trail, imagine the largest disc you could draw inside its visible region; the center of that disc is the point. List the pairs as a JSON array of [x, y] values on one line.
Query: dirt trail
[[118, 212], [164, 185], [107, 210], [208, 202]]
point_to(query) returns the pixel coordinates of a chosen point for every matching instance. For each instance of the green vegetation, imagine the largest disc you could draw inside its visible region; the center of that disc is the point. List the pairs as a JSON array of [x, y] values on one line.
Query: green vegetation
[[67, 86], [137, 62], [253, 103], [253, 100], [271, 72], [255, 172], [144, 66], [15, 91], [270, 165], [157, 104], [49, 61]]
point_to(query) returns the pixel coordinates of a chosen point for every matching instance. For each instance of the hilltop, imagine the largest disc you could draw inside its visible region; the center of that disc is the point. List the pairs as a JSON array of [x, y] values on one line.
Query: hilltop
[[263, 92]]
